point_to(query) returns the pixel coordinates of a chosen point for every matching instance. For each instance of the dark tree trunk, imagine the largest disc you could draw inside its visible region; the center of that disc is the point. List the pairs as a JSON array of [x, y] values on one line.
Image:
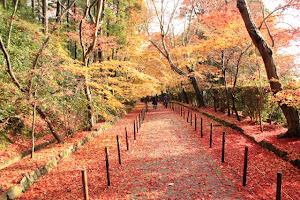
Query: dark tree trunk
[[198, 92], [68, 25], [185, 96], [58, 8], [100, 56], [33, 7], [75, 50], [49, 123], [45, 16], [215, 99], [234, 108], [39, 14], [225, 83], [291, 114], [87, 93], [5, 4]]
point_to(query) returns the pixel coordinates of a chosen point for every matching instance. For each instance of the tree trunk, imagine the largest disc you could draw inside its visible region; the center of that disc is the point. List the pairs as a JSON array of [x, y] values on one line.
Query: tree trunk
[[88, 96], [39, 15], [33, 7], [234, 108], [5, 4], [225, 83], [198, 92], [49, 123], [290, 113], [185, 96], [45, 16], [58, 12], [32, 130], [215, 99], [87, 52]]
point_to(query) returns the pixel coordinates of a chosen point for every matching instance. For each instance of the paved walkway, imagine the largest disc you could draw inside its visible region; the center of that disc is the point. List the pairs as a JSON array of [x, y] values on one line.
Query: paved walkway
[[166, 161], [170, 163]]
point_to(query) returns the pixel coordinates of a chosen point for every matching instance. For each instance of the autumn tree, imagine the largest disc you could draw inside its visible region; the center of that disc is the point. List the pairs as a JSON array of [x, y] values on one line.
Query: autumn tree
[[161, 43], [26, 87], [266, 51]]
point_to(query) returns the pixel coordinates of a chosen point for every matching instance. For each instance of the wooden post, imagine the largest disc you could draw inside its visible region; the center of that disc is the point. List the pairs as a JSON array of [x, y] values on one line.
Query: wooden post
[[279, 182], [183, 113], [85, 185], [191, 118], [195, 122], [245, 166], [141, 120], [223, 147], [126, 136], [107, 166], [188, 115], [137, 124], [119, 150], [201, 127], [32, 130], [211, 132], [134, 133]]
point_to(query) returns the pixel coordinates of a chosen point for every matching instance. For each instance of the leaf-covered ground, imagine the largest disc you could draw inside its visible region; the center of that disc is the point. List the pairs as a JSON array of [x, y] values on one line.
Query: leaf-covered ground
[[169, 160], [269, 134], [12, 174]]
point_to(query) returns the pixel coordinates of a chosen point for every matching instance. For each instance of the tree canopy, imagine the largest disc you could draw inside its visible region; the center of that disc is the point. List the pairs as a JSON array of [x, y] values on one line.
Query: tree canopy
[[86, 61]]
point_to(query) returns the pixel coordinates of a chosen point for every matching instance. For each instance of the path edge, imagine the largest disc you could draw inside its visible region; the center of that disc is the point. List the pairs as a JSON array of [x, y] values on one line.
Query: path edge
[[266, 145], [30, 178]]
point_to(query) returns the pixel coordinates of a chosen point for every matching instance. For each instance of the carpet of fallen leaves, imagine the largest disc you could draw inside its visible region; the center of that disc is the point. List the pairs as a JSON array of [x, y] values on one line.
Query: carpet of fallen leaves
[[269, 134], [169, 160], [13, 174]]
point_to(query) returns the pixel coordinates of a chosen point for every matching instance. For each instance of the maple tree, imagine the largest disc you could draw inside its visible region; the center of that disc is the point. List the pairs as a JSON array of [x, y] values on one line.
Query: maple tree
[[266, 51], [102, 57], [27, 90]]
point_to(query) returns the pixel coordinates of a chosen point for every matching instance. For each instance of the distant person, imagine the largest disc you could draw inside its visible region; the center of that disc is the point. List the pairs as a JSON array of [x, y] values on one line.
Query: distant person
[[166, 101], [154, 101]]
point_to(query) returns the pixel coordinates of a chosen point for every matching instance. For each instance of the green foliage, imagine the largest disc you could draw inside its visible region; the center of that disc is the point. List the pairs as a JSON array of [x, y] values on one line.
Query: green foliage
[[248, 101]]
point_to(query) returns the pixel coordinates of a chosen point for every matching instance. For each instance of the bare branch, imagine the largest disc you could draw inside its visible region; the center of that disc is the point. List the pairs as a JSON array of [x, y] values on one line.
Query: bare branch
[[9, 69], [11, 23], [237, 67], [43, 46], [99, 19], [158, 48], [90, 12], [265, 22], [277, 9], [172, 16], [81, 29]]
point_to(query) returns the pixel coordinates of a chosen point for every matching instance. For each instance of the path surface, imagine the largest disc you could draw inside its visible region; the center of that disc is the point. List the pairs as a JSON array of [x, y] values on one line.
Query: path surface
[[168, 160], [165, 162], [169, 163]]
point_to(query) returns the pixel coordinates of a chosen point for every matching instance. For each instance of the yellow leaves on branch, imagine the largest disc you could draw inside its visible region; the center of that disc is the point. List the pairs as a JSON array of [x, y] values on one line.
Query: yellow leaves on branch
[[290, 94]]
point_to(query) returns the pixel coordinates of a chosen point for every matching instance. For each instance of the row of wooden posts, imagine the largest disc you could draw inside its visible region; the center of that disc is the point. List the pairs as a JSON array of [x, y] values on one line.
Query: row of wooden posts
[[137, 123], [181, 110]]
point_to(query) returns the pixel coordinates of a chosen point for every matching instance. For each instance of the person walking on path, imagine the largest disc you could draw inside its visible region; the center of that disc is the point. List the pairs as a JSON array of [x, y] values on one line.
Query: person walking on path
[[154, 101], [166, 101]]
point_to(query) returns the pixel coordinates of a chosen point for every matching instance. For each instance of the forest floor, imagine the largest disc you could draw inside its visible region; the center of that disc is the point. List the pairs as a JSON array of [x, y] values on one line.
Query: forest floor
[[269, 134], [168, 160]]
